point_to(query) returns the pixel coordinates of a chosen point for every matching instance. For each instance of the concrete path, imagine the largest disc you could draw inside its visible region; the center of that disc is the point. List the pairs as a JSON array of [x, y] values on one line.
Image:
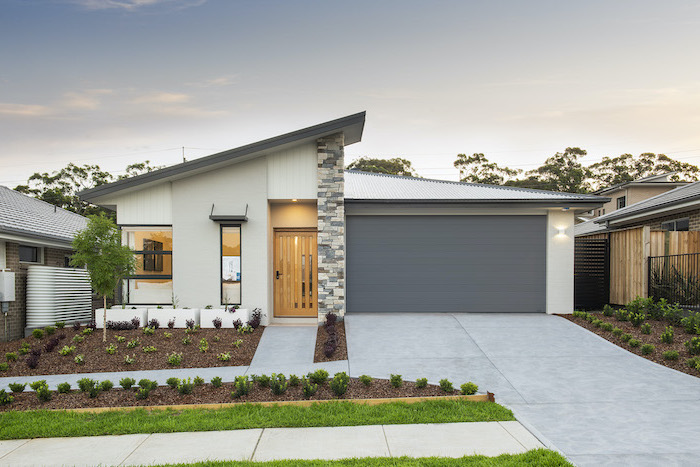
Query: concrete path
[[582, 395], [448, 440]]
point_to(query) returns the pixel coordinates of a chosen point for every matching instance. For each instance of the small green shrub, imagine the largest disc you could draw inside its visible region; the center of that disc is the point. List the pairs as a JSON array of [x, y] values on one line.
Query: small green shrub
[[149, 331], [224, 356], [339, 383], [693, 346], [293, 380], [127, 383], [5, 398], [120, 339], [24, 348], [446, 385], [237, 343], [608, 310], [187, 340], [617, 332], [174, 359], [216, 381], [167, 334], [63, 388], [670, 355], [396, 380], [262, 380], [106, 385], [693, 362], [49, 330], [198, 381], [112, 349], [319, 376], [622, 315], [422, 382], [634, 343], [469, 388], [186, 386], [606, 326], [308, 388], [60, 324], [626, 337], [38, 333], [132, 344], [366, 380], [647, 349], [203, 345], [79, 359], [148, 384], [278, 384], [17, 387], [691, 323], [37, 384], [637, 318], [667, 335], [597, 322], [87, 331], [173, 382], [142, 393], [78, 339], [128, 360], [149, 349], [646, 328], [11, 356], [4, 366], [674, 314], [89, 386], [242, 386], [66, 350]]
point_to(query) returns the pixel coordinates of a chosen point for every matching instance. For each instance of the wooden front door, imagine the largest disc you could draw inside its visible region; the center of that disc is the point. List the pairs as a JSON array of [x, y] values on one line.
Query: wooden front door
[[295, 272]]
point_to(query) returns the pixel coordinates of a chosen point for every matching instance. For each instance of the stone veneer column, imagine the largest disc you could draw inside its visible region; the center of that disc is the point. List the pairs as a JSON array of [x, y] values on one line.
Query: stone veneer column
[[331, 225]]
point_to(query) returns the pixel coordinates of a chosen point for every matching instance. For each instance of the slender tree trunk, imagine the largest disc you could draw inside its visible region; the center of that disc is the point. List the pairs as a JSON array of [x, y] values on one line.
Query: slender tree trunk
[[104, 319]]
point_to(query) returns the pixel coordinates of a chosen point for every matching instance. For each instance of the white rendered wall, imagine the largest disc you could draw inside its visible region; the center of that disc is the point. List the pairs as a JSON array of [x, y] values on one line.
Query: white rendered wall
[[149, 206], [560, 261], [291, 173]]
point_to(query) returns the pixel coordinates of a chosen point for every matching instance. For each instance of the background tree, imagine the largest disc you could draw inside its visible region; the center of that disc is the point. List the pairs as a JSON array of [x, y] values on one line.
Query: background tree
[[561, 172], [98, 248], [395, 166], [477, 169], [60, 188], [625, 168]]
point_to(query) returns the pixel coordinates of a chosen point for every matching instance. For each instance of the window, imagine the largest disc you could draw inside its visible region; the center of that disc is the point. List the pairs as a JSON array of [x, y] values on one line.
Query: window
[[152, 282], [621, 202], [677, 225], [30, 254], [231, 265]]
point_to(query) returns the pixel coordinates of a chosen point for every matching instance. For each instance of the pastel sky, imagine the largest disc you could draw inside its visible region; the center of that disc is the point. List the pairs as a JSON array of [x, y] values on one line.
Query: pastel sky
[[118, 81]]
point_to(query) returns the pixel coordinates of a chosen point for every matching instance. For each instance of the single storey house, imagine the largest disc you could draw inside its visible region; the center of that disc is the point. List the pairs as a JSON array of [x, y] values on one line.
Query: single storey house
[[32, 232], [281, 226]]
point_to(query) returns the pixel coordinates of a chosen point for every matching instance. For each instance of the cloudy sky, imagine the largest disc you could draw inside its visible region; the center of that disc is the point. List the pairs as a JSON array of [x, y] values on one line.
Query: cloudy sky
[[119, 81]]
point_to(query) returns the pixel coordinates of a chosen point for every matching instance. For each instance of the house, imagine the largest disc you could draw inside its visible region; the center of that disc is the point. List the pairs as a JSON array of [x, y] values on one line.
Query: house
[[32, 232], [280, 225]]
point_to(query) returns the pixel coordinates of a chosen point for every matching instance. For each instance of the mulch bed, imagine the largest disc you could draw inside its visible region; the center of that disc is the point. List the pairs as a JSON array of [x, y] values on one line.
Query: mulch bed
[[98, 360], [208, 394], [341, 353], [657, 327]]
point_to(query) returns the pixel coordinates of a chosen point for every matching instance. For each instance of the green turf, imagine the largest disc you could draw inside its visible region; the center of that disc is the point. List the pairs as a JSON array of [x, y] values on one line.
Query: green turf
[[45, 424], [536, 457]]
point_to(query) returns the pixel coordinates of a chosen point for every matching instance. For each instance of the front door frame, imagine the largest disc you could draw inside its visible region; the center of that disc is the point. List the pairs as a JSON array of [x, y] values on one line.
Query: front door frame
[[277, 283]]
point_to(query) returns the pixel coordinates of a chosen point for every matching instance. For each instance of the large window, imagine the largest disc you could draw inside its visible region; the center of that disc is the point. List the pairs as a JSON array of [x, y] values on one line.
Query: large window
[[677, 225], [30, 254], [231, 265], [152, 282]]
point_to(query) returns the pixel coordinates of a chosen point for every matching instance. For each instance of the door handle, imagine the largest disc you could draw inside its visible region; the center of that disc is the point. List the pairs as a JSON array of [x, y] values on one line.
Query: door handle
[[278, 274]]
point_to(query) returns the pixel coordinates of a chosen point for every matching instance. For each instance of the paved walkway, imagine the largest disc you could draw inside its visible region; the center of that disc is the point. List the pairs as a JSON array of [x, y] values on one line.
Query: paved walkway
[[448, 440]]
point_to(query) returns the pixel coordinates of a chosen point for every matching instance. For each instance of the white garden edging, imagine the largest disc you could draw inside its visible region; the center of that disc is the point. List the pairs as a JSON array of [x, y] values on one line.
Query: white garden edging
[[121, 314], [181, 315]]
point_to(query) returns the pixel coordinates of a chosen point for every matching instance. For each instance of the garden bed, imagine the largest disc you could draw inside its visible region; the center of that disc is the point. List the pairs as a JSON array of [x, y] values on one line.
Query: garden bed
[[209, 394], [341, 351], [97, 359]]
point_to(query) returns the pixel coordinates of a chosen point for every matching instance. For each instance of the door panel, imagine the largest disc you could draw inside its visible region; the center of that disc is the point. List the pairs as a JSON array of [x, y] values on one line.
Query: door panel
[[295, 273]]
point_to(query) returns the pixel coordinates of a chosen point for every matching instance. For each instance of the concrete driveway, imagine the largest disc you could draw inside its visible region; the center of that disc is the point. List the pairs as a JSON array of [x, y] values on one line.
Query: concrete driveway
[[591, 400]]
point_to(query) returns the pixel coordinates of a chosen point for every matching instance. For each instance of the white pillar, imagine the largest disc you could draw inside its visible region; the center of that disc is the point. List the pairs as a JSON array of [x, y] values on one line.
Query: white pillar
[[560, 261]]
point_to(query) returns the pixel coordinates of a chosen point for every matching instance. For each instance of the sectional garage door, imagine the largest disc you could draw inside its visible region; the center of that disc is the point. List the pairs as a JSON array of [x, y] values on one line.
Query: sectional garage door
[[445, 263]]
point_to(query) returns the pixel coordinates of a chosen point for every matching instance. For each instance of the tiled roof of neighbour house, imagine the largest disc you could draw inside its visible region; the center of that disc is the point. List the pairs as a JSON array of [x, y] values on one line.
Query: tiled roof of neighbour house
[[668, 199], [22, 215], [587, 228], [366, 186]]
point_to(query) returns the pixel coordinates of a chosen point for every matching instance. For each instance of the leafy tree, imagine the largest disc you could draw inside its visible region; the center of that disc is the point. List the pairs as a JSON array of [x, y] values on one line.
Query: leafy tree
[[477, 169], [60, 188], [395, 166], [98, 248], [561, 172], [625, 168]]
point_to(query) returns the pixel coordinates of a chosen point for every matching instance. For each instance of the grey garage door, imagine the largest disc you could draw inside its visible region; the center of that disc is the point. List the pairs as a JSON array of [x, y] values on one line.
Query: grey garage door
[[445, 263]]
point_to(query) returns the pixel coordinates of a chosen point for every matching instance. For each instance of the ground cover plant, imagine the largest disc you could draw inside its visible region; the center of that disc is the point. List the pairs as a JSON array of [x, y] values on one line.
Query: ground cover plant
[[330, 340], [71, 350], [656, 330], [45, 423]]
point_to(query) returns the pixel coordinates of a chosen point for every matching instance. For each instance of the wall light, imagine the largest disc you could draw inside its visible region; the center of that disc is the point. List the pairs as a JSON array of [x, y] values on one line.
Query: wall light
[[561, 230], [294, 200]]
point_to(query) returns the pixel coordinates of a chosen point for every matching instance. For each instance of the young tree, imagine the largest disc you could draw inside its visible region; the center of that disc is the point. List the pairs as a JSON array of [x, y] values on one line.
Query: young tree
[[98, 247], [477, 169], [395, 166]]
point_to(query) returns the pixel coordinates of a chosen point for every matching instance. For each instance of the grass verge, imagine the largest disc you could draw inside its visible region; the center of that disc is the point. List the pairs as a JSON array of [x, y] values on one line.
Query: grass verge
[[45, 424], [536, 457]]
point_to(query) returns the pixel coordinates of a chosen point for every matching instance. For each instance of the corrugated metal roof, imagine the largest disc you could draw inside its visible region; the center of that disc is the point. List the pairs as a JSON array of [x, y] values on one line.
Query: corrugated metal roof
[[372, 186], [26, 216], [588, 228], [668, 199]]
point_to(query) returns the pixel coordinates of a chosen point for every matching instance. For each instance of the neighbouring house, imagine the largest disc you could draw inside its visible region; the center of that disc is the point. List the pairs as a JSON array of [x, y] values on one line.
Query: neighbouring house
[[280, 225], [32, 232]]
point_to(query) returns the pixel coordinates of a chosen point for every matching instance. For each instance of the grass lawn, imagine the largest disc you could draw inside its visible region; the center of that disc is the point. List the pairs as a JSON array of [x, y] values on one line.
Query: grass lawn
[[536, 457], [45, 424]]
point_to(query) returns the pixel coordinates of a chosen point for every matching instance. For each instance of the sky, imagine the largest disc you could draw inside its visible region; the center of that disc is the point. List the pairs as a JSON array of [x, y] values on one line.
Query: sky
[[113, 82]]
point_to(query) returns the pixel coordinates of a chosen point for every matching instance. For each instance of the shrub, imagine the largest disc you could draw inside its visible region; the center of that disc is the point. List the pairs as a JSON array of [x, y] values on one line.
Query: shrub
[[637, 318], [216, 381], [198, 381], [32, 361], [693, 362], [670, 355], [255, 318], [262, 380], [691, 323], [203, 345], [17, 387], [120, 339], [319, 376], [133, 343], [189, 324], [174, 359], [49, 330], [608, 310], [106, 385], [88, 331], [422, 382], [597, 322], [186, 340], [693, 346], [24, 348], [673, 314], [36, 384], [11, 356], [142, 393], [148, 384], [216, 322], [633, 343], [135, 322], [366, 380], [149, 349], [244, 329], [396, 380], [60, 324], [42, 392], [127, 383], [667, 335], [446, 385], [129, 360], [647, 349], [5, 398], [79, 359], [646, 328], [38, 333], [4, 366], [121, 325], [171, 324], [622, 315], [78, 339], [89, 386], [224, 356], [469, 388], [278, 384], [185, 386], [308, 388], [167, 334], [242, 385], [66, 350], [237, 343], [293, 380], [173, 382], [606, 326], [653, 310], [63, 388], [112, 349], [330, 346], [149, 331], [154, 324], [340, 381], [626, 337]]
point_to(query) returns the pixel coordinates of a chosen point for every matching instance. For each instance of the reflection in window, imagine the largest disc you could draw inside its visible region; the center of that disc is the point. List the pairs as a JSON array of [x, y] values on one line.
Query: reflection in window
[[678, 225], [231, 265], [152, 280]]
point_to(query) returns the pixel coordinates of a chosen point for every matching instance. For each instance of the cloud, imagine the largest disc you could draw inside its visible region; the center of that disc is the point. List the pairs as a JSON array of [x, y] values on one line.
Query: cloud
[[172, 104], [84, 100], [133, 5], [24, 110], [162, 98], [215, 82]]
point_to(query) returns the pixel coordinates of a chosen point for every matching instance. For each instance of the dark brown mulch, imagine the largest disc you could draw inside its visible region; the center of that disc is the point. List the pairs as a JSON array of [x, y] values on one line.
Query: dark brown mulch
[[208, 394], [341, 353], [657, 327], [98, 360]]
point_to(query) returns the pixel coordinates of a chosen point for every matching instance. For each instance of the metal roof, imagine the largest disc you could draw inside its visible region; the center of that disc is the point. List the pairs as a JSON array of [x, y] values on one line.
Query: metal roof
[[668, 199], [352, 126], [366, 186], [588, 228], [25, 216]]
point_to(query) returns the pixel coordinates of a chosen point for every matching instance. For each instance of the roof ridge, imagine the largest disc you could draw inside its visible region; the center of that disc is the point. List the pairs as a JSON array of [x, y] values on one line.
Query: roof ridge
[[43, 202]]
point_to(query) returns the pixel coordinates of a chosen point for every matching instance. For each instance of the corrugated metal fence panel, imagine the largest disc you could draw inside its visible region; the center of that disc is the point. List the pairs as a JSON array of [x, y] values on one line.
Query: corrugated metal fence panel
[[446, 263], [591, 273], [57, 294]]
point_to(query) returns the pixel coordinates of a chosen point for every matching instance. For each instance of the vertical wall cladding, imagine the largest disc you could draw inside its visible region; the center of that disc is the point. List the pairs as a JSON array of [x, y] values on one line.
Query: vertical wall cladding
[[331, 225]]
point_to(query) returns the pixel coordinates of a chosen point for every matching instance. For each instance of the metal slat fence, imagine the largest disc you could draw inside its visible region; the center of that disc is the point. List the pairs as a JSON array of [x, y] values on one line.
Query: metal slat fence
[[675, 278]]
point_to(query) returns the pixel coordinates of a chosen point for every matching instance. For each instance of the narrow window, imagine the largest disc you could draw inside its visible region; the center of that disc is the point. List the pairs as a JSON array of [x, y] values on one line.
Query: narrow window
[[621, 202], [152, 282], [230, 265]]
